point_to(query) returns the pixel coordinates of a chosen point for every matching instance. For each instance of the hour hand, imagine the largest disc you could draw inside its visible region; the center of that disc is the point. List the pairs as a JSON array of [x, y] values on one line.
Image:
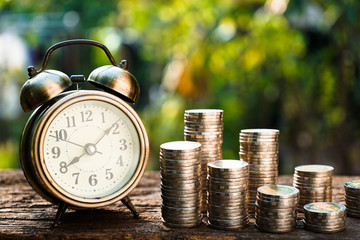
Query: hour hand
[[74, 160]]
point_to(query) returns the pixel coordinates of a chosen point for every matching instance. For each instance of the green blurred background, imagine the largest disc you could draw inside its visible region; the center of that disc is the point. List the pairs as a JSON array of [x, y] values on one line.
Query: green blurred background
[[290, 65]]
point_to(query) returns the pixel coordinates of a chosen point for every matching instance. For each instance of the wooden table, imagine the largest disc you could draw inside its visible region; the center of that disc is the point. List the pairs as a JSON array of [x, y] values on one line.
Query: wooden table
[[25, 215]]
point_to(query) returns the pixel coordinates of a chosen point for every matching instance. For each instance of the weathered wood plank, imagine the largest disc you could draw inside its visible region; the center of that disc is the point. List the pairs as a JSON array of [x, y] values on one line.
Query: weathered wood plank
[[25, 215]]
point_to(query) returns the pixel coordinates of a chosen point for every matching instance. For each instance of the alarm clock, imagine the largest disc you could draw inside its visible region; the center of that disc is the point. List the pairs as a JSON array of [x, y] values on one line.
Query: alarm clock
[[83, 148]]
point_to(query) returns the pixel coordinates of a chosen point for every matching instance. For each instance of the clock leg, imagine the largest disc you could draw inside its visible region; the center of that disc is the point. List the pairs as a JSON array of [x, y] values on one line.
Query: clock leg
[[60, 212], [127, 202]]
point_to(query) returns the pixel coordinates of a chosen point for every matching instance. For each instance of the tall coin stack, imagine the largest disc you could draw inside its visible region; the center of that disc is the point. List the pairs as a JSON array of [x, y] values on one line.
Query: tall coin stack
[[352, 198], [180, 183], [260, 147], [324, 217], [227, 194], [205, 126], [314, 183], [275, 208]]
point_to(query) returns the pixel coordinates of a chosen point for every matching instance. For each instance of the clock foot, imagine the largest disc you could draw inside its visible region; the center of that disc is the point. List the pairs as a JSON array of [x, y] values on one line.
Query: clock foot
[[60, 212], [127, 202]]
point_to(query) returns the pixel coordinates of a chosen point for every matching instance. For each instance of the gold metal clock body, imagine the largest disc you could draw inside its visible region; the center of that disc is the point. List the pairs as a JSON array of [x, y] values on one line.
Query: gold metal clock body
[[46, 152]]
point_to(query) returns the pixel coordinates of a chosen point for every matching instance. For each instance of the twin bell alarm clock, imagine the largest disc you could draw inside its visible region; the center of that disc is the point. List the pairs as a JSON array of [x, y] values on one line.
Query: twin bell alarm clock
[[83, 148]]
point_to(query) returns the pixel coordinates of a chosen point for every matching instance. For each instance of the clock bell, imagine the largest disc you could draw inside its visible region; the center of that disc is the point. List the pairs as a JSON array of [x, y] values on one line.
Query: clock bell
[[44, 85]]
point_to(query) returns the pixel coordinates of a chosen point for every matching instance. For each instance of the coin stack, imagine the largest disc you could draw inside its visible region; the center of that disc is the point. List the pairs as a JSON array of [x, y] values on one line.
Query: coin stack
[[314, 183], [275, 208], [324, 217], [227, 194], [259, 147], [352, 198], [205, 126], [180, 183]]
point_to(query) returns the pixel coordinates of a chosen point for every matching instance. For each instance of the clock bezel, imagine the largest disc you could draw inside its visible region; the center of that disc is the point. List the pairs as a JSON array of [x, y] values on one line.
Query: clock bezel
[[42, 179]]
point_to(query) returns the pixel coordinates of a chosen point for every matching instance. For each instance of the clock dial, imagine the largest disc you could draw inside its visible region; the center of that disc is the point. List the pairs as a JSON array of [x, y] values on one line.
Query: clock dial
[[91, 149]]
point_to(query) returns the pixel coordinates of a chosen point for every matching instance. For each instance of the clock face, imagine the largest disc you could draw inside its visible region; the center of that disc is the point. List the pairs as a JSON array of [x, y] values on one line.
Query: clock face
[[90, 149]]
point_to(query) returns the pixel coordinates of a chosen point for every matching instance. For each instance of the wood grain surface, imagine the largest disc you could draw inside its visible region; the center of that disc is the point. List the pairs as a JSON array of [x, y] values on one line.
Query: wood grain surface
[[25, 215]]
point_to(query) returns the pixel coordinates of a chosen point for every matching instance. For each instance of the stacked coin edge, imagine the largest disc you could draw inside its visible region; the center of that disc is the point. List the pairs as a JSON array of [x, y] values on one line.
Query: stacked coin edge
[[180, 184], [259, 147], [227, 194], [275, 208], [314, 182], [352, 198], [324, 217], [205, 126]]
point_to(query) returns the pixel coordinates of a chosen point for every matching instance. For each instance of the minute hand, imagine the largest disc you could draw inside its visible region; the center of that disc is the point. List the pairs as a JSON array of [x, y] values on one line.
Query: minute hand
[[106, 132], [76, 144], [65, 140]]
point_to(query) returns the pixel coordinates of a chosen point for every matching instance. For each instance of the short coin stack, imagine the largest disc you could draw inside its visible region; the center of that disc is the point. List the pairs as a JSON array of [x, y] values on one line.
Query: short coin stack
[[275, 208], [324, 217], [314, 183], [260, 147], [205, 126], [227, 194], [180, 183], [352, 198]]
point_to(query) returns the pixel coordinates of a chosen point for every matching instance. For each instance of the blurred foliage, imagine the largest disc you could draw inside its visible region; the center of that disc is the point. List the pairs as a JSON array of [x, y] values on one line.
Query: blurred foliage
[[290, 65]]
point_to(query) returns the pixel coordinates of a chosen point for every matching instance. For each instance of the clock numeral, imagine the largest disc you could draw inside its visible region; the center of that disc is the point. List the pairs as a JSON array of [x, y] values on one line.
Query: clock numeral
[[92, 180], [120, 161], [103, 117], [56, 151], [116, 129], [60, 135], [86, 116], [109, 175], [63, 167], [76, 177], [70, 121], [123, 145]]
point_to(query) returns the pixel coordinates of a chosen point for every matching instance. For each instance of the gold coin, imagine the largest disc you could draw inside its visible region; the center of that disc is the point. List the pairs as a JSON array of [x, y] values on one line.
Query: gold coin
[[260, 131], [204, 111], [227, 165], [278, 191], [324, 207], [180, 146], [314, 170]]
